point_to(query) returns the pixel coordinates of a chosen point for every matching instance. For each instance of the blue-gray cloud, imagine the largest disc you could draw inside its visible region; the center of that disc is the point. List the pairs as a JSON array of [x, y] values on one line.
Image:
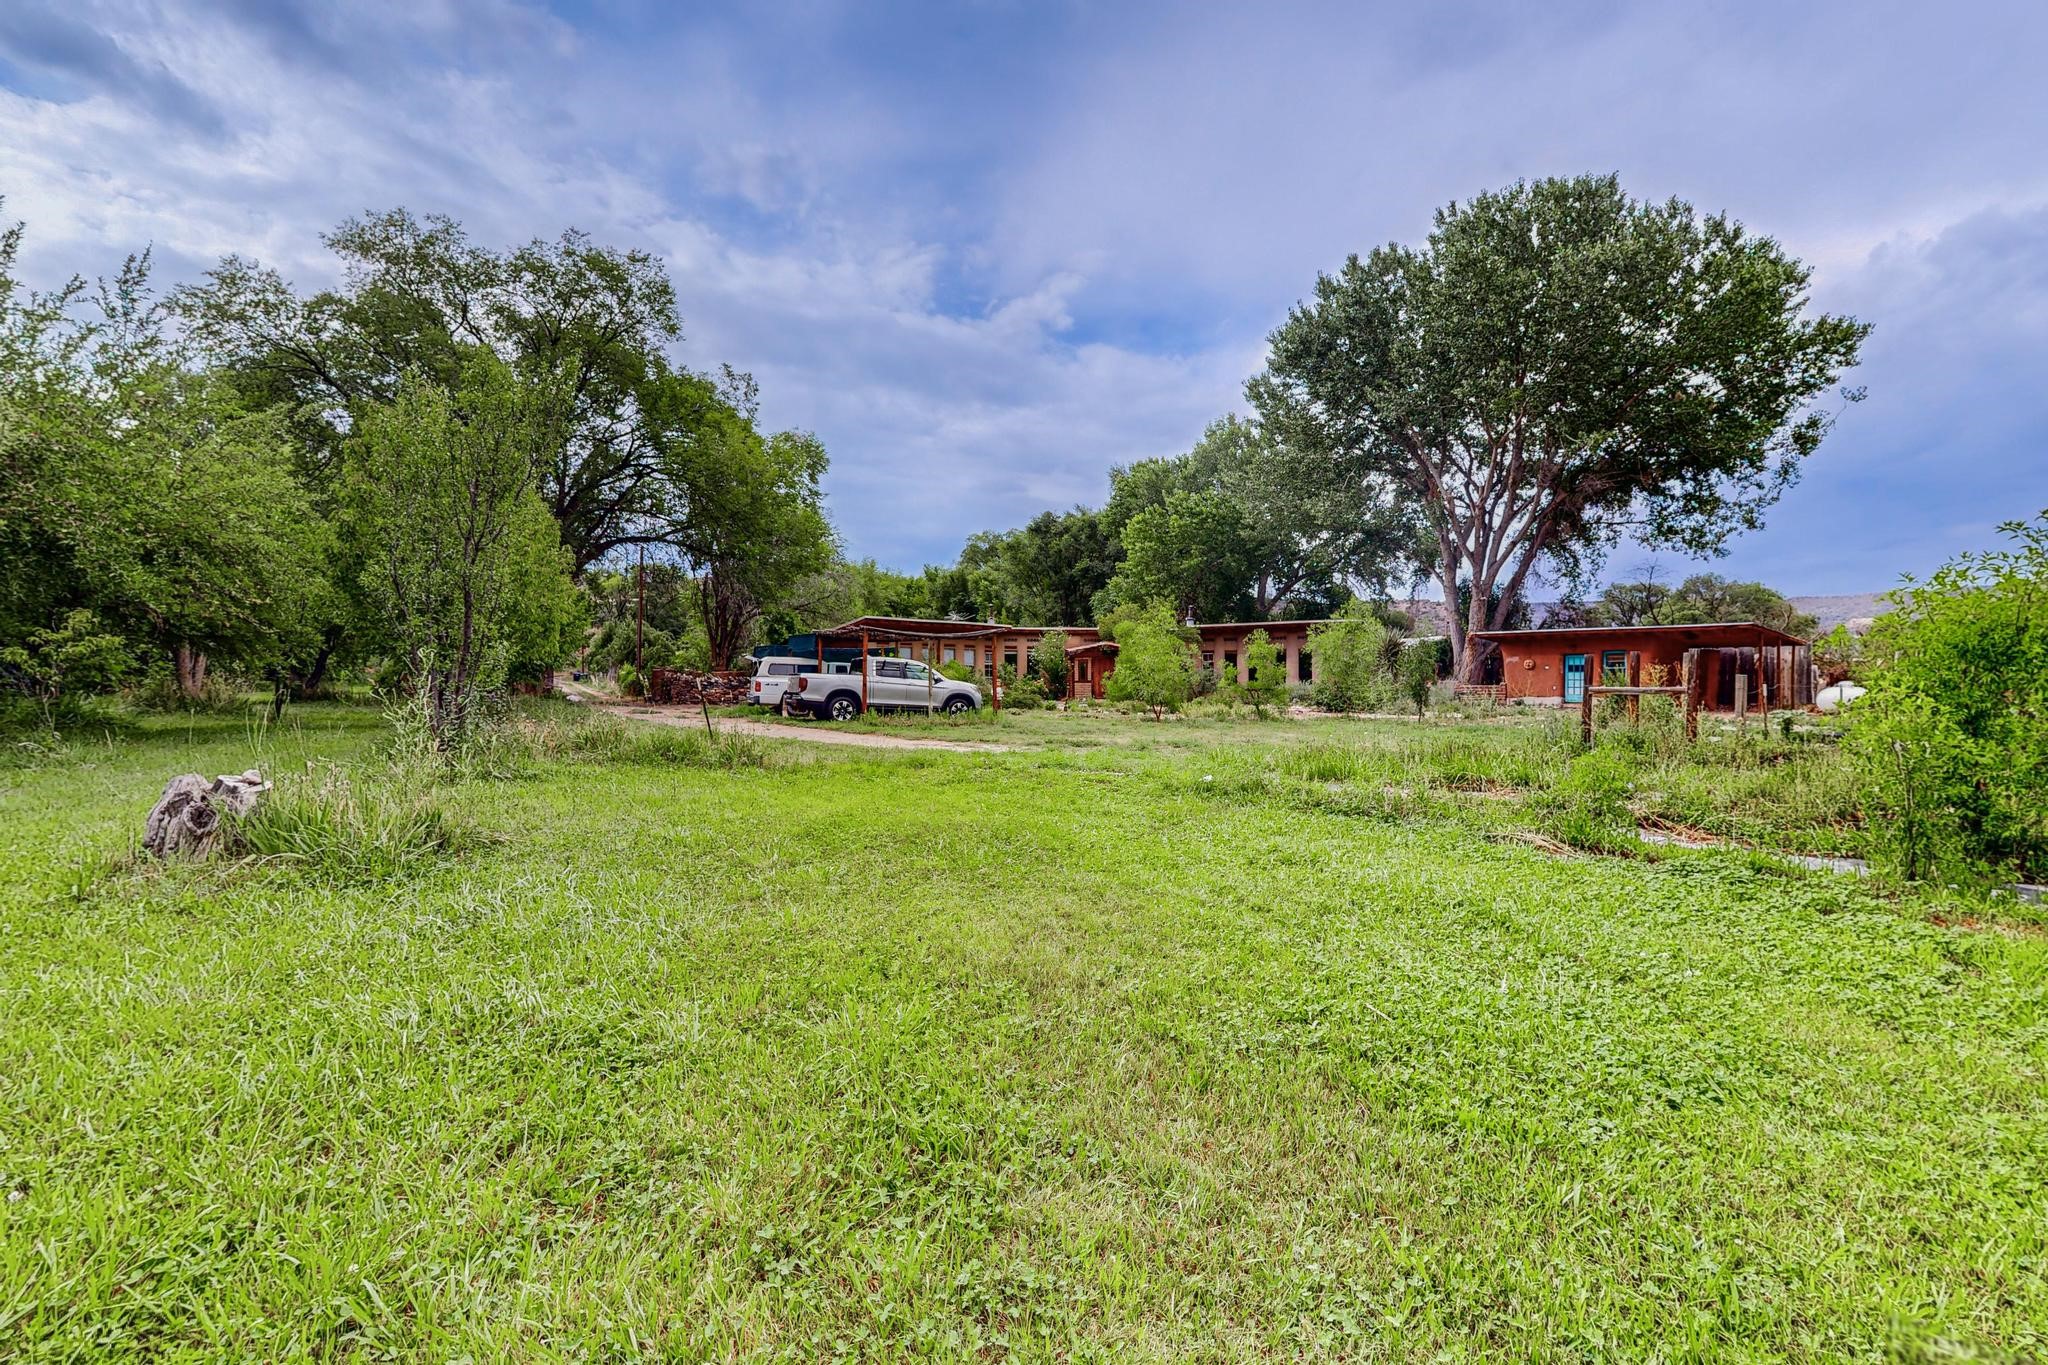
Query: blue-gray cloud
[[988, 251], [87, 58]]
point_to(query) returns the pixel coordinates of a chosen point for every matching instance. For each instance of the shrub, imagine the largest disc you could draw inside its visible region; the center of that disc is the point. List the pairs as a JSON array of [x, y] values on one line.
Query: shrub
[[957, 671], [76, 659], [1352, 671], [1952, 738], [1026, 694]]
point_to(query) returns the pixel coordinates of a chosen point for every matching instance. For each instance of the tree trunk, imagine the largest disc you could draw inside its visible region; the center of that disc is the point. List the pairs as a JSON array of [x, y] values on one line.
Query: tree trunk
[[309, 685], [190, 666], [728, 613], [1476, 619]]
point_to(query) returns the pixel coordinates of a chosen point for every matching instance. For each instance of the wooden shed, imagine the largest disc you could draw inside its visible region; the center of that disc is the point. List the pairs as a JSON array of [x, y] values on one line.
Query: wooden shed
[[1554, 666]]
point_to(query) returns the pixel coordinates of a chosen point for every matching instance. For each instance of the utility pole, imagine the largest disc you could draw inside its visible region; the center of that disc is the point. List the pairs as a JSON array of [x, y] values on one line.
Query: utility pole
[[640, 624]]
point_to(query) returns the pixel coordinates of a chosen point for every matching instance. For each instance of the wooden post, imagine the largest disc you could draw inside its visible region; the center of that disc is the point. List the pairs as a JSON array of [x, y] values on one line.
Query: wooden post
[[1586, 712], [1635, 679], [863, 672], [1763, 688], [995, 678], [1741, 698], [930, 671], [1689, 671]]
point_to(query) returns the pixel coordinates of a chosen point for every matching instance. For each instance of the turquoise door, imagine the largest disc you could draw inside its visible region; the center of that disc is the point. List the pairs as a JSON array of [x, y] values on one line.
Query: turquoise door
[[1574, 677]]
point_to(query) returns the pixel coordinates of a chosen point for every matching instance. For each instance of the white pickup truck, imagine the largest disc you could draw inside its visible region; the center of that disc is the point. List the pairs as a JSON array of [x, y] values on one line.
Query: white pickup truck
[[893, 684], [772, 677]]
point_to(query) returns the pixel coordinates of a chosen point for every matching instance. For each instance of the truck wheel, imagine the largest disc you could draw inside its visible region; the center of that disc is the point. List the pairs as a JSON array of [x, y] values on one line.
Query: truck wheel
[[955, 705], [845, 706]]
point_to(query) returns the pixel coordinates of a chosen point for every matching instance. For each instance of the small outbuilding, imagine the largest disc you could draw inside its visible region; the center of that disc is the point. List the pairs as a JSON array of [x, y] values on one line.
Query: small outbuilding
[[1554, 666]]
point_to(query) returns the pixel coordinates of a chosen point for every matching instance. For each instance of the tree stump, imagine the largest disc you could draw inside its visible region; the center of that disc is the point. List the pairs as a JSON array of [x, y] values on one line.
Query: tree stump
[[186, 819]]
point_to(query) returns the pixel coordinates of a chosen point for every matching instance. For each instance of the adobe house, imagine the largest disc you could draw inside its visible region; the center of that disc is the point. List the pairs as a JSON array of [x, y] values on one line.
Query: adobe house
[[1551, 667], [982, 645]]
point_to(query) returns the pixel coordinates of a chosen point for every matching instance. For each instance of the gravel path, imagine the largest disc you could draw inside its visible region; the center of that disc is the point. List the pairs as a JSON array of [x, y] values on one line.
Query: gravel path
[[808, 734]]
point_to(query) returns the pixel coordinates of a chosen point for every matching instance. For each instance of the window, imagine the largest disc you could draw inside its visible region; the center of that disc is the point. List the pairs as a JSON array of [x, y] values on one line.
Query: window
[[1010, 658], [949, 654], [1230, 660], [1307, 665], [917, 673], [1208, 658], [891, 668], [782, 670], [1614, 668]]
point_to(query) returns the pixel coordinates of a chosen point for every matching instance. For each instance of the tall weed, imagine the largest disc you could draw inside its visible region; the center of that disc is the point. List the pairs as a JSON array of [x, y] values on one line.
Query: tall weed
[[1588, 806], [350, 825]]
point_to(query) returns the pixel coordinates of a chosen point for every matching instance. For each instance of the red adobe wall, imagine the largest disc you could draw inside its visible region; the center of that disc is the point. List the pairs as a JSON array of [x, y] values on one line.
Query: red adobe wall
[[1535, 668]]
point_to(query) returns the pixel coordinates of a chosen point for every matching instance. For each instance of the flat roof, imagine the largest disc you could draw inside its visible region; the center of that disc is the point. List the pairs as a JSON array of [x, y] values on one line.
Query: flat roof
[[1736, 632], [925, 629]]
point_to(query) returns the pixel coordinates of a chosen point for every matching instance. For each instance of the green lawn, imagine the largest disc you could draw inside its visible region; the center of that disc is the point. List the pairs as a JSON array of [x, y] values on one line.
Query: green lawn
[[1230, 1043]]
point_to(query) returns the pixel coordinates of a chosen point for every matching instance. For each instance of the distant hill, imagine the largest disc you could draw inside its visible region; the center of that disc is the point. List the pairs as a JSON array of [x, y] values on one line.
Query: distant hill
[[1831, 611]]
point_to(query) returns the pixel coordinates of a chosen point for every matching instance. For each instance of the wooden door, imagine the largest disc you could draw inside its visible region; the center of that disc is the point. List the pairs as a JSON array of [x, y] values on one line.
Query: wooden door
[[1574, 679]]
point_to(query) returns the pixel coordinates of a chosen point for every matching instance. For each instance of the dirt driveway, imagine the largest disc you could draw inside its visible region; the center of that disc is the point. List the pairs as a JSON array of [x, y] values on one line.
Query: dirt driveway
[[808, 734]]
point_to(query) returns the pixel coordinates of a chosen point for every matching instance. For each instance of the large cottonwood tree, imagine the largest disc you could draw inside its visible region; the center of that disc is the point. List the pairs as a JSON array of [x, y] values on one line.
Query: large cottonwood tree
[[1559, 366], [588, 324]]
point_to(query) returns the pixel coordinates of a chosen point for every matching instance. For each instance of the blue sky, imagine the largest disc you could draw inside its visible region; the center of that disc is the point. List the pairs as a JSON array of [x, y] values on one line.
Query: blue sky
[[987, 250]]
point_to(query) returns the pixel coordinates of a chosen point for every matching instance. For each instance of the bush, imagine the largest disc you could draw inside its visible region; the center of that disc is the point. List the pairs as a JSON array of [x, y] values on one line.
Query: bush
[[1587, 807], [957, 671], [351, 827], [1353, 671], [1952, 738], [1026, 694], [76, 660]]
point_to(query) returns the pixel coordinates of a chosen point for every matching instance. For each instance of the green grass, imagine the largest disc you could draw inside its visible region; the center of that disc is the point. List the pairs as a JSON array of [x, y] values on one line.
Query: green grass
[[1160, 1050]]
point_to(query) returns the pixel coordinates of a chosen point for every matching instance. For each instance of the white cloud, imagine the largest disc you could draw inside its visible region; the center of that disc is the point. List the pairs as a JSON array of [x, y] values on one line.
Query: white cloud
[[985, 275]]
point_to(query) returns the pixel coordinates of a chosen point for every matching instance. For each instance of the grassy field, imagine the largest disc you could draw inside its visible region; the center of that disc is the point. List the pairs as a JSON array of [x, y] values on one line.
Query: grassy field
[[1141, 1042]]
